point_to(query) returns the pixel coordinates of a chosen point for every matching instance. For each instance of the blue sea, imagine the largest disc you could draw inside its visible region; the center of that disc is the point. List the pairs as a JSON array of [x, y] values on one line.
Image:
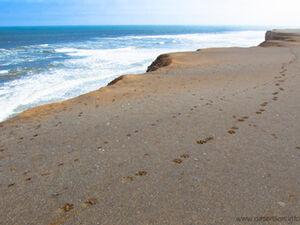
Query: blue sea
[[40, 65]]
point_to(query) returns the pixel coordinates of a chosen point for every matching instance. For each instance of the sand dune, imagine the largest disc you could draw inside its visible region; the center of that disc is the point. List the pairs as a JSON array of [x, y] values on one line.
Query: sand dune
[[206, 137]]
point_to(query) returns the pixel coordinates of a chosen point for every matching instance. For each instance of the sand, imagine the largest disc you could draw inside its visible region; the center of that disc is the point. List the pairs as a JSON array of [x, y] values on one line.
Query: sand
[[205, 138]]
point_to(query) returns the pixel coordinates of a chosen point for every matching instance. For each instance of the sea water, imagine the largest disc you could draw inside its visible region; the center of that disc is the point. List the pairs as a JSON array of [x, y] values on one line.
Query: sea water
[[40, 65]]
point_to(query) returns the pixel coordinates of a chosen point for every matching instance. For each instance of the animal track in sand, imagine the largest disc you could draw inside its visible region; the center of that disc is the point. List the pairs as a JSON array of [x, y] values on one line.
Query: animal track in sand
[[298, 147], [131, 178], [264, 104], [178, 161], [67, 207], [185, 156], [204, 141], [291, 197], [28, 179], [281, 89], [45, 174], [124, 179], [274, 136], [243, 119], [275, 98], [231, 132], [141, 173], [80, 114], [182, 157], [275, 93], [10, 185], [26, 172], [260, 111], [60, 164], [234, 128], [91, 201], [56, 125]]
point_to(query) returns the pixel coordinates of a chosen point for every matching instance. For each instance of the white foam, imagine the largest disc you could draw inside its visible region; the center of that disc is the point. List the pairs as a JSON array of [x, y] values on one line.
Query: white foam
[[79, 75], [3, 71], [97, 52], [66, 50], [236, 38]]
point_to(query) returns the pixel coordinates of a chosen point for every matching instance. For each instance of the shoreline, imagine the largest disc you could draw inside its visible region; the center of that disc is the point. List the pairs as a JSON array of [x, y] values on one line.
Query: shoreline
[[206, 137], [59, 101], [31, 91]]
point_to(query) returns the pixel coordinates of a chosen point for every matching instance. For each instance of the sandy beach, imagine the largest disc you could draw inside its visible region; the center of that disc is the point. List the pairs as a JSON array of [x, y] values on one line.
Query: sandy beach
[[203, 137]]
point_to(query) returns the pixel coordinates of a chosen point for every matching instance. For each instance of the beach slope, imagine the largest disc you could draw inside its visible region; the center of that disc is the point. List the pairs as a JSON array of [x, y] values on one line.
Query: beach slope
[[204, 137]]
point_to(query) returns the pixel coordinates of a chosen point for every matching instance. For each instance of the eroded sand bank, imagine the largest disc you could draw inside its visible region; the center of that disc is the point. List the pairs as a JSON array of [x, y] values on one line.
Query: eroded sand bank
[[211, 136]]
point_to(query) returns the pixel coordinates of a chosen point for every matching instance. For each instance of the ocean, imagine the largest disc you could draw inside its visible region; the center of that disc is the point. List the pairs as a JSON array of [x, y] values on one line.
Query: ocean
[[40, 65]]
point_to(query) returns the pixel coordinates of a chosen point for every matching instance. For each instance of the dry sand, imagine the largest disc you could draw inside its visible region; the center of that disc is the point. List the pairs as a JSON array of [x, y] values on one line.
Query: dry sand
[[211, 136]]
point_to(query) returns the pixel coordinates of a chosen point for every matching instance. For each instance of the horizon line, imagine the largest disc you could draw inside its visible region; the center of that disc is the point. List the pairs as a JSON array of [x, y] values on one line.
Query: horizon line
[[192, 25]]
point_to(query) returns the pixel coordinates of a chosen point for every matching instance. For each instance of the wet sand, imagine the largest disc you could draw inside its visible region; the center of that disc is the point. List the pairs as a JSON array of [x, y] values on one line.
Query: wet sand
[[204, 137]]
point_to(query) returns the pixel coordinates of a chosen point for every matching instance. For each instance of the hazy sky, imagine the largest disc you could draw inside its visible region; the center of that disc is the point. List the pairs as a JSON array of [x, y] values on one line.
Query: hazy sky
[[195, 12]]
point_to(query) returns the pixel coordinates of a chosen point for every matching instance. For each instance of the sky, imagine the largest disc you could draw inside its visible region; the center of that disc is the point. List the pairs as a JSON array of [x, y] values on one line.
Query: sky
[[150, 12]]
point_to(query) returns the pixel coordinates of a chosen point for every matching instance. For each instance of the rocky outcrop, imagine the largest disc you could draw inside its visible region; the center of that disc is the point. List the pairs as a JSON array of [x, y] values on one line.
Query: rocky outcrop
[[281, 38], [115, 80], [161, 61]]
